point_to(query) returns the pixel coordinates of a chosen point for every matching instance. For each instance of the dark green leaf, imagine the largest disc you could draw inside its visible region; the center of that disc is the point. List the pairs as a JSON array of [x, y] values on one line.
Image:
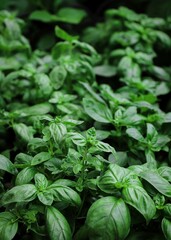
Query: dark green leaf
[[7, 165], [138, 198], [166, 228], [25, 175], [8, 225], [57, 225], [98, 111], [108, 218], [22, 193], [40, 158]]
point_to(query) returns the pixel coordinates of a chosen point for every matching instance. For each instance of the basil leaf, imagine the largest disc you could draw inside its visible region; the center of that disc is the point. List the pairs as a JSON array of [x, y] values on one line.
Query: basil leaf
[[25, 176], [40, 158], [97, 110], [41, 181], [65, 194], [8, 225], [45, 197], [108, 218], [112, 178], [166, 228], [161, 184], [22, 193], [138, 198], [7, 165], [57, 225]]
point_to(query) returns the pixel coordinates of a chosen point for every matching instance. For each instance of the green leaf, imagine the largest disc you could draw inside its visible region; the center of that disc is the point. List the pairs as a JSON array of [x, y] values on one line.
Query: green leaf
[[40, 158], [105, 147], [46, 197], [135, 134], [57, 225], [165, 172], [108, 218], [105, 70], [163, 38], [23, 131], [7, 165], [58, 131], [77, 139], [152, 134], [71, 15], [41, 181], [161, 184], [38, 109], [22, 193], [42, 15], [167, 210], [60, 33], [8, 225], [138, 198], [97, 110], [160, 73], [65, 194], [113, 178], [25, 176], [166, 228], [58, 76]]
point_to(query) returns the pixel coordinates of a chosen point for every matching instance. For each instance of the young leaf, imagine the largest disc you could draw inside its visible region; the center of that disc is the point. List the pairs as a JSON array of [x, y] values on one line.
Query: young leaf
[[64, 35], [112, 178], [8, 225], [7, 165], [41, 181], [108, 218], [57, 225], [138, 198], [46, 197], [22, 193], [58, 76]]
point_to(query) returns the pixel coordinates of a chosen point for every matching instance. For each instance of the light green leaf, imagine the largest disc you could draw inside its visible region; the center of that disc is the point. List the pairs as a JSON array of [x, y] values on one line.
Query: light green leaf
[[42, 15], [60, 33], [71, 15], [58, 76]]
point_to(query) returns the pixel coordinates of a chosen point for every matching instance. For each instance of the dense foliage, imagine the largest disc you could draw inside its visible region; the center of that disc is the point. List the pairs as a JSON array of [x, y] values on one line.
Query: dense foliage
[[84, 124]]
